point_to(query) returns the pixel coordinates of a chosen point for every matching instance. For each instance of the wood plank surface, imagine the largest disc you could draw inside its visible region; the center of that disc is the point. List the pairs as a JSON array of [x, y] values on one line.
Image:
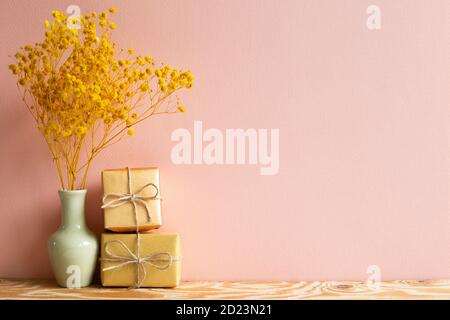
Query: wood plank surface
[[47, 289]]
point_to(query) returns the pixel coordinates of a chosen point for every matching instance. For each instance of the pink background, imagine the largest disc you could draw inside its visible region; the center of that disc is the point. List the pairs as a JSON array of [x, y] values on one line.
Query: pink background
[[364, 139]]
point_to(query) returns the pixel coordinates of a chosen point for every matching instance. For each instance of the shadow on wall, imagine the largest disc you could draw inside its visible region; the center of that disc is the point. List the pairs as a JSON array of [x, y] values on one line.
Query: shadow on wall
[[94, 216], [94, 213]]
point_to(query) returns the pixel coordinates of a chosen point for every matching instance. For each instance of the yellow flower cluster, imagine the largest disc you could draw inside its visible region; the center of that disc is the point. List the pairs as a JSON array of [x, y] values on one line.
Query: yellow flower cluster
[[170, 80], [85, 93]]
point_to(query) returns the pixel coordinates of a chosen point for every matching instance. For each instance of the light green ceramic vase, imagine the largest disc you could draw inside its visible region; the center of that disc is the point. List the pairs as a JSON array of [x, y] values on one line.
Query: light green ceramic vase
[[73, 248]]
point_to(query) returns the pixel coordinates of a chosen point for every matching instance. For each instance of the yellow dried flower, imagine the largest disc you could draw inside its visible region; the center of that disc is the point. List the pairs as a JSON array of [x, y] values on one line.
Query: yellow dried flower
[[144, 86], [79, 131], [86, 93]]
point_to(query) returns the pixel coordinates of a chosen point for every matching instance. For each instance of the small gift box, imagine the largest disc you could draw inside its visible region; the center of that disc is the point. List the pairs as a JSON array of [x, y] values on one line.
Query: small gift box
[[140, 260], [131, 199]]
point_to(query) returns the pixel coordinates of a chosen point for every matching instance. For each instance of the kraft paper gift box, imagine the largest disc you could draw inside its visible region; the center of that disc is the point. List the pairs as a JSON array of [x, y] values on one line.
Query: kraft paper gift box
[[159, 253], [118, 208]]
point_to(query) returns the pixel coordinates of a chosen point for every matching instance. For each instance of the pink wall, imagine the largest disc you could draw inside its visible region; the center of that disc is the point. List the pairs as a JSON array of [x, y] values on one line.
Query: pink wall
[[364, 140]]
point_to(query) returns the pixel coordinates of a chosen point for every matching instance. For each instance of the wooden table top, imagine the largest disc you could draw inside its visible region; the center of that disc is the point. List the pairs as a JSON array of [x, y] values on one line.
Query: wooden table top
[[47, 289]]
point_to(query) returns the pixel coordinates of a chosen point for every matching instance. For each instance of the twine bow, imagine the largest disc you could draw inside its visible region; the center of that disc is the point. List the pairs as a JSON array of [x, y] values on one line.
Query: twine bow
[[160, 260], [119, 199]]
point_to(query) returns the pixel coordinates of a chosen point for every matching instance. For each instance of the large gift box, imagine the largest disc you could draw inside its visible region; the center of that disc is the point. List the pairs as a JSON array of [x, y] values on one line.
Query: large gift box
[[131, 199], [140, 260]]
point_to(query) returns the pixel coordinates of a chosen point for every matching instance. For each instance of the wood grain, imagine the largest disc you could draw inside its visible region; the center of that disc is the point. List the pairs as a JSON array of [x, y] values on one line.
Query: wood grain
[[47, 289]]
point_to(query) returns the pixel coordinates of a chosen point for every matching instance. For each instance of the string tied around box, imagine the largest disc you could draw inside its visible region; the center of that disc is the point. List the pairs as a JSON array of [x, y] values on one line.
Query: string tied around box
[[159, 260], [113, 200]]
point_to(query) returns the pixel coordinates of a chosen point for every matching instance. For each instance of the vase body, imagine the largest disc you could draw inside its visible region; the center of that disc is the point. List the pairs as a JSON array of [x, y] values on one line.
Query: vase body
[[73, 248]]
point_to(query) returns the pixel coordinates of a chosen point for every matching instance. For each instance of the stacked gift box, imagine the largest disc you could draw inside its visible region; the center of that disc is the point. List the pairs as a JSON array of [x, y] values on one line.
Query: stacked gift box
[[132, 253]]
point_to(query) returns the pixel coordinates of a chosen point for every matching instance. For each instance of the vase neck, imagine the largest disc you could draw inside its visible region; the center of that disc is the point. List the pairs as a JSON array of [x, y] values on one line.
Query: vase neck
[[72, 205]]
